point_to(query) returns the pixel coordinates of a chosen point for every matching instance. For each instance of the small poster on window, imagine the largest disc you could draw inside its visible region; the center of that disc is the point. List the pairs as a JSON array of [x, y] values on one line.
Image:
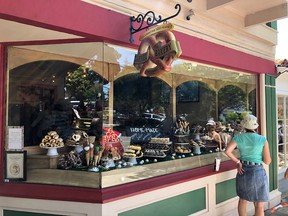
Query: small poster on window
[[15, 138], [15, 165]]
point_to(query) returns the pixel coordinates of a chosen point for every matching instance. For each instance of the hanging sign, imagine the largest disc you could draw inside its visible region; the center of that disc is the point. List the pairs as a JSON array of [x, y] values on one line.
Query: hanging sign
[[157, 51]]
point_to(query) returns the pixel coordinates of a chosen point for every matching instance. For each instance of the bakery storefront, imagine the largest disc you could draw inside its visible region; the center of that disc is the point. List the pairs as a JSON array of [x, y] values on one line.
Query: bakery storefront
[[85, 134]]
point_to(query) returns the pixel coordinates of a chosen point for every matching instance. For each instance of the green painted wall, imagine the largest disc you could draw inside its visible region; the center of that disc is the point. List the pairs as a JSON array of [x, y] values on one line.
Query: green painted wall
[[272, 24], [20, 213], [271, 128], [181, 205], [225, 190]]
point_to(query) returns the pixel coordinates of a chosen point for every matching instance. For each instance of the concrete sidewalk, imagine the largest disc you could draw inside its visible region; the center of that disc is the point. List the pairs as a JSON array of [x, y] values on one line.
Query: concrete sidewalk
[[281, 209]]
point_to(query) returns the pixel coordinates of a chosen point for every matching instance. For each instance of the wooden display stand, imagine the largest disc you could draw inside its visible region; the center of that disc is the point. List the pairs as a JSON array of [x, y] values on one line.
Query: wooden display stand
[[42, 162]]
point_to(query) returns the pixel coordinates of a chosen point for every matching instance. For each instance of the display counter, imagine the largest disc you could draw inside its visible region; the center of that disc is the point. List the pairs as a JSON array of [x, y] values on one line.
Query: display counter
[[117, 176]]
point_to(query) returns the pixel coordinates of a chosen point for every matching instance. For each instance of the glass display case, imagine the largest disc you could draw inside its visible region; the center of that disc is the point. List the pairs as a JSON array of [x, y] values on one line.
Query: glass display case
[[90, 119]]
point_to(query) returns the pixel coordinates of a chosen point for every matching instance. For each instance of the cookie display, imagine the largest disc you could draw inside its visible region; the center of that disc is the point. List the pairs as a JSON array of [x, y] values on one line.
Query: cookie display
[[51, 140], [111, 153], [78, 138], [158, 146], [69, 160], [164, 140], [154, 153], [183, 149], [110, 136], [181, 126], [133, 151]]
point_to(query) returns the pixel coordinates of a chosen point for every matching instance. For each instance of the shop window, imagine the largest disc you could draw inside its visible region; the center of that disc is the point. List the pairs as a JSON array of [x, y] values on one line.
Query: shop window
[[88, 103], [282, 132]]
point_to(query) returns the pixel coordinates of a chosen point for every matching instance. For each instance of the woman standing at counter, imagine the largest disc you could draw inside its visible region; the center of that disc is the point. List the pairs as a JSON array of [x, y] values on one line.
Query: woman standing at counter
[[251, 179]]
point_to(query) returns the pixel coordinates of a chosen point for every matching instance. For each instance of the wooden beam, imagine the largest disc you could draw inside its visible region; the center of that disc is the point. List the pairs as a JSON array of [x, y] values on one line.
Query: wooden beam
[[268, 15], [211, 4]]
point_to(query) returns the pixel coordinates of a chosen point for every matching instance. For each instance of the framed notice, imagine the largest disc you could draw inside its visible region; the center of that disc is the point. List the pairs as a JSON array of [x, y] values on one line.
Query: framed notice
[[15, 165], [15, 138]]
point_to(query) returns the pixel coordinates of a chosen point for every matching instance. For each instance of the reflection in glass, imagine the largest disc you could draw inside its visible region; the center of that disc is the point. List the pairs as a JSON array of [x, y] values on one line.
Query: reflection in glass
[[282, 131], [140, 102], [187, 92], [280, 107], [52, 95], [232, 103], [196, 100]]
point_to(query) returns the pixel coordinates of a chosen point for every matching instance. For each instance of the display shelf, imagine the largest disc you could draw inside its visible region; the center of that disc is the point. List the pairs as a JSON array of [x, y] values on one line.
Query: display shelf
[[156, 155], [52, 151], [181, 138], [64, 177], [114, 177], [188, 152], [181, 135], [41, 162]]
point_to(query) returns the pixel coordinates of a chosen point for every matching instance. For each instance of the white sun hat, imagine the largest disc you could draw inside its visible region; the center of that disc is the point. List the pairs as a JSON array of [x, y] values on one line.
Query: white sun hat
[[211, 122], [249, 122]]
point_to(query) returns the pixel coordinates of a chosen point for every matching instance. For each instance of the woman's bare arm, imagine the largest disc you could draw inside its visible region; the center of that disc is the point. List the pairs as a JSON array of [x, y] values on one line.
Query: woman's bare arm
[[286, 174], [266, 154], [229, 151]]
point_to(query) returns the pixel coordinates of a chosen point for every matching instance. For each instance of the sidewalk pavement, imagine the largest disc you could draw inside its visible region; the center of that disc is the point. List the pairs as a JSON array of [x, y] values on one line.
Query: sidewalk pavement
[[281, 209]]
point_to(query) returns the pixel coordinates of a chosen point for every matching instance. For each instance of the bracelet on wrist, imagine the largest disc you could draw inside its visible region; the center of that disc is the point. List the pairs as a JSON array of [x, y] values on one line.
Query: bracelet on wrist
[[238, 162]]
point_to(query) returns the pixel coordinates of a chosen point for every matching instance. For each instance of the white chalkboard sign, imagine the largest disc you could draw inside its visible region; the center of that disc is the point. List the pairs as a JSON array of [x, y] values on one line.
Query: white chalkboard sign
[[140, 135]]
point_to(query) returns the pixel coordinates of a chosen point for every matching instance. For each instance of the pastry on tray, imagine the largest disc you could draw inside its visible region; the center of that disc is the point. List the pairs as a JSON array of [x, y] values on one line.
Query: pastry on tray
[[52, 140]]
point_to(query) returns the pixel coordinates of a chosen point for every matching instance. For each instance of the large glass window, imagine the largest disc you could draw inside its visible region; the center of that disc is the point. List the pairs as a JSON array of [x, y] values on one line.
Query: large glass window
[[84, 107], [282, 131]]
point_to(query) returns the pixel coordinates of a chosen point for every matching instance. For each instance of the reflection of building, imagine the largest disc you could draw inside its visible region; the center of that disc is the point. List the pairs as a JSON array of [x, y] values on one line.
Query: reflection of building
[[235, 64]]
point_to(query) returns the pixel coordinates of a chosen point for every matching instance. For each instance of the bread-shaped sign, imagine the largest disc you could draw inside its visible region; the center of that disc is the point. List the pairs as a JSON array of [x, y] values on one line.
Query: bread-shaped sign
[[157, 51]]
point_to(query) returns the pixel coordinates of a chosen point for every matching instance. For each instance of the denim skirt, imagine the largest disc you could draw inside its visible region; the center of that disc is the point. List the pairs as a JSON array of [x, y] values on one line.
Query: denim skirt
[[252, 185]]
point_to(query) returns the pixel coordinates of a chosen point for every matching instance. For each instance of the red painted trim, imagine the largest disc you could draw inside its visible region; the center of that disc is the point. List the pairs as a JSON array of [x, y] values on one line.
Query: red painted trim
[[218, 55], [140, 187], [78, 18], [2, 102], [83, 19], [90, 195]]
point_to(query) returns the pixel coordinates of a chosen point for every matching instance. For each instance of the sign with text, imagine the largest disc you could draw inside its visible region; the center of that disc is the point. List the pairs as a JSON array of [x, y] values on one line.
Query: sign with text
[[15, 138], [141, 135]]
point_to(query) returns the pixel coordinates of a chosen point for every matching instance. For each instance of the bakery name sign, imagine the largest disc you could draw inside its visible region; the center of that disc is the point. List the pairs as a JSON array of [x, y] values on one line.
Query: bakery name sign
[[157, 51]]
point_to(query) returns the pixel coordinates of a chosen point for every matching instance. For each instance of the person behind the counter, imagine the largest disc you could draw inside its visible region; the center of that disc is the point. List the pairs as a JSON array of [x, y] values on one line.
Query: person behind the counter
[[213, 135]]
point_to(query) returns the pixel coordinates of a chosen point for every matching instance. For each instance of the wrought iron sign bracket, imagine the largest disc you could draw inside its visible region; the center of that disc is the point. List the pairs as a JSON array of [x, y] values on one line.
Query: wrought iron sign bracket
[[281, 70], [151, 21]]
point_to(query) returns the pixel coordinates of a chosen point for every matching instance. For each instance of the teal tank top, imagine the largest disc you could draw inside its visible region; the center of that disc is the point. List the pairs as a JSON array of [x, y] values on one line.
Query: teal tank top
[[250, 146]]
